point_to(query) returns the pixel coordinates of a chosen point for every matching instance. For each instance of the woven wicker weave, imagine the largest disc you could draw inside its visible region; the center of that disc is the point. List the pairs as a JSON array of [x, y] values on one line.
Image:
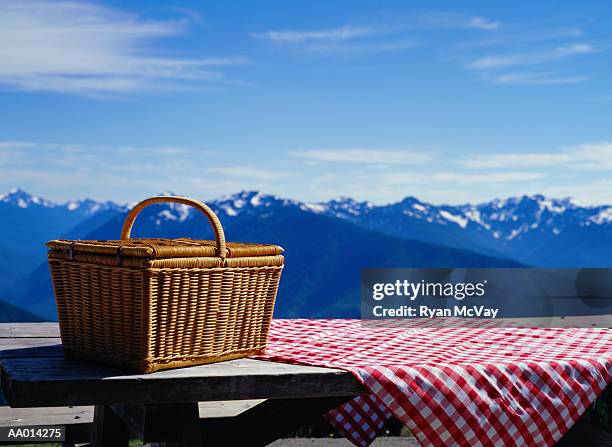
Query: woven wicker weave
[[151, 304]]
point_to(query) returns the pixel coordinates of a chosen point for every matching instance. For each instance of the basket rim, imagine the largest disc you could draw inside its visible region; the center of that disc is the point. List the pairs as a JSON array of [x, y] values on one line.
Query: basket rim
[[161, 248]]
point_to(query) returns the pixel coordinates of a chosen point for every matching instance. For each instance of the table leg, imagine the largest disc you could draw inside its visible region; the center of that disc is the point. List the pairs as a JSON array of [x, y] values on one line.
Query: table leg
[[163, 425], [584, 434], [108, 429]]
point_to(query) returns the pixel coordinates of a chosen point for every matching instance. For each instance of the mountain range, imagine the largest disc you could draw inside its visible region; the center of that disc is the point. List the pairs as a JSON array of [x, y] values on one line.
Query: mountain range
[[326, 243]]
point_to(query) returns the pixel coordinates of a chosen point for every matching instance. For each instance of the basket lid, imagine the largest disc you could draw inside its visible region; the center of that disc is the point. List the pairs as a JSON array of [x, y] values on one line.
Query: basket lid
[[166, 248], [163, 248]]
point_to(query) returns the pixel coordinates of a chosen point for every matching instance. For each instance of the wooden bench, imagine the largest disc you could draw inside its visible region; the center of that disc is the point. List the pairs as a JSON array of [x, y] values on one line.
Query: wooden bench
[[78, 420]]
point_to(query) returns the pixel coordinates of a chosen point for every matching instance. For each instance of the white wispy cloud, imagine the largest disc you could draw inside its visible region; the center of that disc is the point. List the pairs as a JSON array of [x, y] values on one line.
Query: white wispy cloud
[[366, 156], [131, 172], [251, 173], [333, 34], [515, 160], [373, 47], [493, 177], [344, 39], [30, 148], [593, 156], [590, 157], [86, 48], [482, 23], [348, 32], [532, 58], [17, 156], [452, 21], [462, 178], [585, 192], [379, 37], [524, 36], [537, 78], [493, 68], [121, 172]]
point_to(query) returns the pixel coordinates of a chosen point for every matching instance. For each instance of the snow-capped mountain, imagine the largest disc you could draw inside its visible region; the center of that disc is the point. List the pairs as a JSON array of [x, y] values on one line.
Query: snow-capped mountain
[[253, 203], [327, 243], [250, 203], [516, 216], [531, 229], [344, 208], [239, 204], [22, 199], [29, 221], [90, 207], [503, 219]]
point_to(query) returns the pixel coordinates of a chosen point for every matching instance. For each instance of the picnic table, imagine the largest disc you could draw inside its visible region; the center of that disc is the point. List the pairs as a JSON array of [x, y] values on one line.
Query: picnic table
[[244, 402], [162, 407]]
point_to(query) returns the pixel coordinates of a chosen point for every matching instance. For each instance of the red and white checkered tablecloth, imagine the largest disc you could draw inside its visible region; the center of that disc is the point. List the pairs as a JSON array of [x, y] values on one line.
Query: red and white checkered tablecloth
[[455, 386]]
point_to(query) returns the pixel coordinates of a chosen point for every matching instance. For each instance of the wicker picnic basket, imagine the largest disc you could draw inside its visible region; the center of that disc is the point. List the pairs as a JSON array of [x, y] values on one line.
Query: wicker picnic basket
[[151, 304]]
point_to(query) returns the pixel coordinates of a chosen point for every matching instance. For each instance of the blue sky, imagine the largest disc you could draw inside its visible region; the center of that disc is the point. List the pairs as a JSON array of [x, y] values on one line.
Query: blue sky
[[447, 101]]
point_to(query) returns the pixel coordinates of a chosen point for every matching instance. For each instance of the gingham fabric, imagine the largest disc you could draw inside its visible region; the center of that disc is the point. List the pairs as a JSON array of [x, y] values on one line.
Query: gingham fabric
[[455, 386]]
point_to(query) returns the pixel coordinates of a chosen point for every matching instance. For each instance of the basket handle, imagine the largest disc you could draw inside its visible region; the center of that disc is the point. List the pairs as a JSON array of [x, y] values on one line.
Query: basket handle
[[200, 206]]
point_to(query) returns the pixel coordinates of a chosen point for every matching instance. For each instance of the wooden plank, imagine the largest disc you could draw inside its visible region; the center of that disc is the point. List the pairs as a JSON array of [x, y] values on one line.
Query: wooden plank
[[77, 420], [230, 408], [13, 417], [42, 382], [13, 330], [30, 347]]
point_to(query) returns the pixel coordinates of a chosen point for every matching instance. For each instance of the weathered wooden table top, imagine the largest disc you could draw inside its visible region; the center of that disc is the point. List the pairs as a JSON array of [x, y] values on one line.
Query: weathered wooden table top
[[34, 373]]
